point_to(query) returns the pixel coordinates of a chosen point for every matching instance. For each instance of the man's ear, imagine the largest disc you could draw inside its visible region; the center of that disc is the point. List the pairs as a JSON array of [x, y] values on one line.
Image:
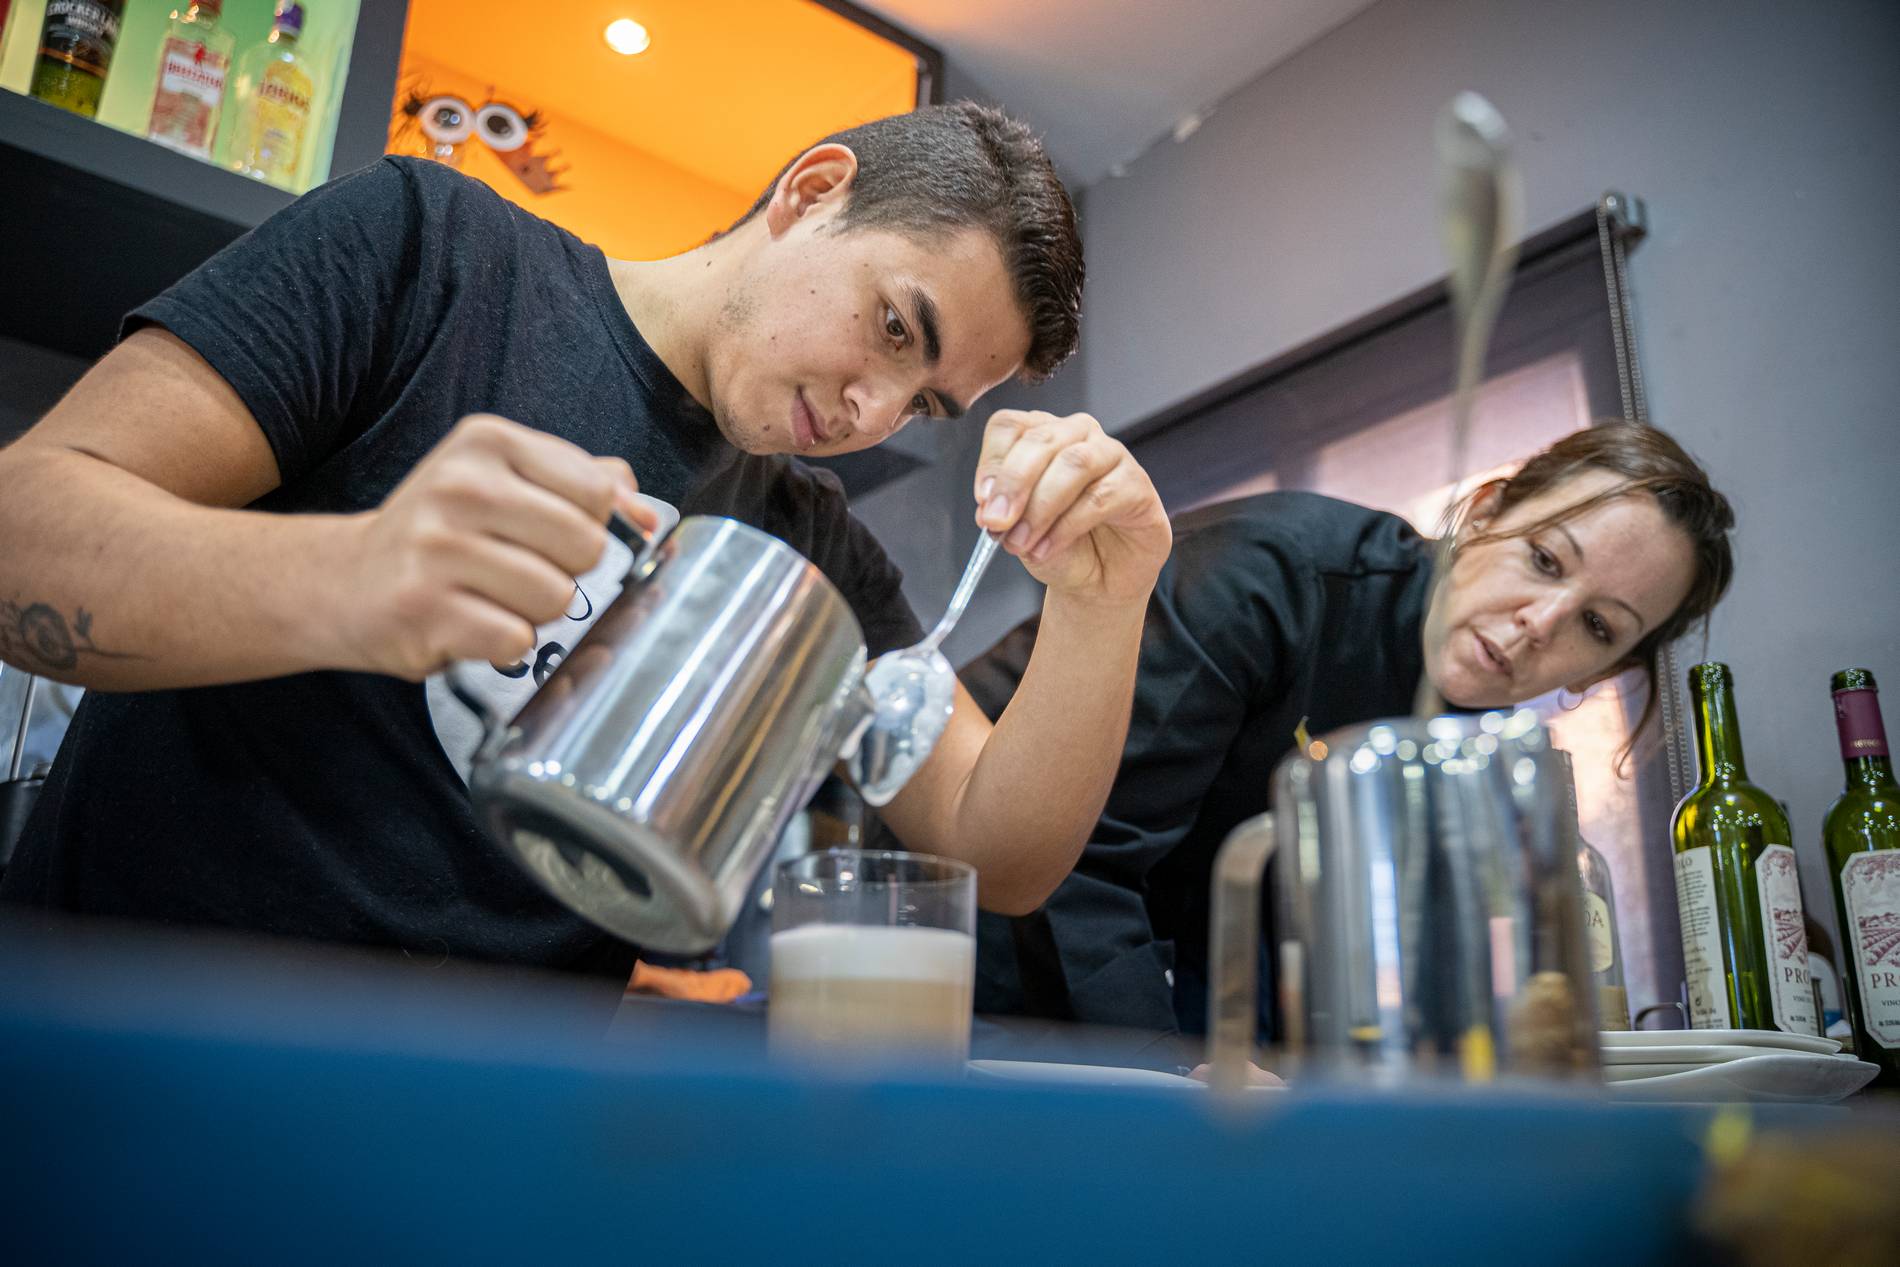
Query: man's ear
[[820, 178]]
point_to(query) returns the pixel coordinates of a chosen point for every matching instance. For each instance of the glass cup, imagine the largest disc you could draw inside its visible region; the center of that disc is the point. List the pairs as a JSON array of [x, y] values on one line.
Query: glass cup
[[873, 959]]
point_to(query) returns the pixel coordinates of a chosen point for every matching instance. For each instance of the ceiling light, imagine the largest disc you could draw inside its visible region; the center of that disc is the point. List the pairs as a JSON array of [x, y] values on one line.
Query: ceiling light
[[627, 36]]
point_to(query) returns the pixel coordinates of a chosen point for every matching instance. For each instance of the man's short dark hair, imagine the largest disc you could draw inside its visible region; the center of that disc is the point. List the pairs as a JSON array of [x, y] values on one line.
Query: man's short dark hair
[[965, 165]]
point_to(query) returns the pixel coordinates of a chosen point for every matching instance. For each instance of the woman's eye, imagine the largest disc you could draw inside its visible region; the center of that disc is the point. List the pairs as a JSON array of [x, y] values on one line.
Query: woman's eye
[[894, 326], [1599, 628], [919, 404], [1544, 560]]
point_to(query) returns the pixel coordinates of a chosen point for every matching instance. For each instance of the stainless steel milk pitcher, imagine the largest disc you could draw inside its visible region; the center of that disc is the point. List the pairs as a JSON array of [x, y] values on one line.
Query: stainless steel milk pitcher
[[645, 782], [1427, 912]]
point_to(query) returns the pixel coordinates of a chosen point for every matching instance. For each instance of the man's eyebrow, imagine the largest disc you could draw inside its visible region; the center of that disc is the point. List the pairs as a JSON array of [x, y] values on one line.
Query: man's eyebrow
[[924, 311]]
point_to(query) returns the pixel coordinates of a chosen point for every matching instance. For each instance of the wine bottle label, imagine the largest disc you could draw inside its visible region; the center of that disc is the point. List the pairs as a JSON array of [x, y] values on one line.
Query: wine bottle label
[[1857, 719], [1701, 939], [1784, 929], [1596, 930], [1870, 890]]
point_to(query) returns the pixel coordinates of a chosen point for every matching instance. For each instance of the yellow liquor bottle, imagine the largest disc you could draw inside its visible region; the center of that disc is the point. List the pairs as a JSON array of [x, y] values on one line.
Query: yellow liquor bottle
[[275, 98]]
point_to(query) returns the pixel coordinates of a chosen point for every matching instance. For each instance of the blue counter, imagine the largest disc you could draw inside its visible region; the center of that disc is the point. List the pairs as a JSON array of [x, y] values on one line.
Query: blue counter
[[193, 1103]]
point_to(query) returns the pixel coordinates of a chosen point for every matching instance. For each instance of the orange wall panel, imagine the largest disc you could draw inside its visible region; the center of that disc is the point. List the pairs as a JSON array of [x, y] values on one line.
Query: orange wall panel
[[623, 200], [671, 145]]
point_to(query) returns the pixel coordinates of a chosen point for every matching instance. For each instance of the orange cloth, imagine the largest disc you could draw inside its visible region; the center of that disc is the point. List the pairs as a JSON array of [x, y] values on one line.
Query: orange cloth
[[720, 985]]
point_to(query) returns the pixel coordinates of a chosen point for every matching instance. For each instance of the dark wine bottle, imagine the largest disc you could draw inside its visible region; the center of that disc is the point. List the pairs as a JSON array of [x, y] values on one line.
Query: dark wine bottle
[[1744, 934], [1862, 836]]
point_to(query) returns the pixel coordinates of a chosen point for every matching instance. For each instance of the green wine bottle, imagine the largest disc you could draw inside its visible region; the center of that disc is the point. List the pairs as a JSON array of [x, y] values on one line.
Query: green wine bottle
[[1744, 934], [1862, 837]]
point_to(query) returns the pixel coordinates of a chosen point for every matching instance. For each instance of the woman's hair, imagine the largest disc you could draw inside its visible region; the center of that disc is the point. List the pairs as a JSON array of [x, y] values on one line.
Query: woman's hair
[[1649, 461]]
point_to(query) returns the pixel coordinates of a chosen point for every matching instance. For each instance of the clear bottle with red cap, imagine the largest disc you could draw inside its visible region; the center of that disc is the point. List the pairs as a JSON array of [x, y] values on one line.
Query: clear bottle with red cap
[[194, 60]]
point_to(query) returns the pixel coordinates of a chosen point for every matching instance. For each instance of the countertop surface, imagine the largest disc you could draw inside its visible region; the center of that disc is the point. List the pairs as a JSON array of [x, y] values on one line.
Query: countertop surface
[[214, 1102]]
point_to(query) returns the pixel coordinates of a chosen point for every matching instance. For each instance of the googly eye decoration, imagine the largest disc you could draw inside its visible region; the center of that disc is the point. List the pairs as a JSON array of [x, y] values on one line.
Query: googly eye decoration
[[441, 125], [502, 128], [447, 120]]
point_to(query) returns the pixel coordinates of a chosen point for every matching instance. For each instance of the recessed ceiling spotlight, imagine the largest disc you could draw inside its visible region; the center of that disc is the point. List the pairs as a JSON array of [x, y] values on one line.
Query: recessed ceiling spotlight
[[624, 35]]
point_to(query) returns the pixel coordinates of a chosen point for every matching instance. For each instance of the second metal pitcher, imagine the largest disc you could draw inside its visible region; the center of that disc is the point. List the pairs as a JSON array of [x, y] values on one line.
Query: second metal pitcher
[[1427, 912]]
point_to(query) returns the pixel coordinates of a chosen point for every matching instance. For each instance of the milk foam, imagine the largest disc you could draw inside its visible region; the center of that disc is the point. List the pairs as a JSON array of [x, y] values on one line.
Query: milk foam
[[855, 952]]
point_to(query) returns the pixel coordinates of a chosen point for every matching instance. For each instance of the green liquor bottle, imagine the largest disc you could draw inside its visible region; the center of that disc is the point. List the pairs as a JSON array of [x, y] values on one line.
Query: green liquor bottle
[[1862, 837], [1744, 933], [76, 43]]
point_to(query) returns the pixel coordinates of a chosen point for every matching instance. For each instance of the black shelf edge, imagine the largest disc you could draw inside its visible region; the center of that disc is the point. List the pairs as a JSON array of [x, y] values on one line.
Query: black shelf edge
[[95, 222], [106, 153]]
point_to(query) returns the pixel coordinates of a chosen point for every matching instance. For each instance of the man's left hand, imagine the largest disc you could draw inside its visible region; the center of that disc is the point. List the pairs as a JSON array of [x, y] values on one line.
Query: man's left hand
[[1073, 504]]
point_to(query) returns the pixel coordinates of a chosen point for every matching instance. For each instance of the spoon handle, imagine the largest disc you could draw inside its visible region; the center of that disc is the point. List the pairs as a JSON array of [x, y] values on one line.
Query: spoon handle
[[972, 574]]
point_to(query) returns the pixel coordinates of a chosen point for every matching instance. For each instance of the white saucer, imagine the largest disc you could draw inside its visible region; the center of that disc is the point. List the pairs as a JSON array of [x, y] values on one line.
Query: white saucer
[[1692, 1054], [1095, 1075], [1098, 1075], [1779, 1077], [1726, 1037]]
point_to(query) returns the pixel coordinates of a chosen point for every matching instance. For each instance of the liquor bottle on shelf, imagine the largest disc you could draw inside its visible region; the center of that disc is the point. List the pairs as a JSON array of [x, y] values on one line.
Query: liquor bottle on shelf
[[1744, 934], [275, 92], [193, 61], [76, 43], [1599, 917], [1862, 836]]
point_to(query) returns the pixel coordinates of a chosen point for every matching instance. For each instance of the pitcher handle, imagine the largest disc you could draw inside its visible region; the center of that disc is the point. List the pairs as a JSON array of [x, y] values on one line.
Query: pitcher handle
[[633, 536], [456, 676], [1233, 988]]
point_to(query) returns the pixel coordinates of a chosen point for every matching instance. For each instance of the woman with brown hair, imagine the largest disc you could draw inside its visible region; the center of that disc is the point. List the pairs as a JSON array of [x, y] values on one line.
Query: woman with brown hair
[[1285, 608]]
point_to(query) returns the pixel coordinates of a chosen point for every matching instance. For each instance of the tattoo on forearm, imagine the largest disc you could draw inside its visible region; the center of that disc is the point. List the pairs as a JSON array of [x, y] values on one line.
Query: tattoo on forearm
[[35, 636]]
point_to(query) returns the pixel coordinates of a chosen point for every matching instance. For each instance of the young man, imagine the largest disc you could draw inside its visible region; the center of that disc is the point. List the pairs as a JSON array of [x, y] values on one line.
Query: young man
[[404, 382]]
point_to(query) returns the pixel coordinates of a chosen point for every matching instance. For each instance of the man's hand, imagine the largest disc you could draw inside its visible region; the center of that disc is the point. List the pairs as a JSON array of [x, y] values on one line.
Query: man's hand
[[478, 545], [1073, 504]]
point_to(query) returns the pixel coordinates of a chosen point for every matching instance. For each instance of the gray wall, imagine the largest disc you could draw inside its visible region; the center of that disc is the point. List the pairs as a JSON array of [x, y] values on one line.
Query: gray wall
[[1763, 137]]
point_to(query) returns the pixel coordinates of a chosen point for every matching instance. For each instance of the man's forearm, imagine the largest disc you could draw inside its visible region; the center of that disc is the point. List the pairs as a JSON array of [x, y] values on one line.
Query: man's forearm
[[112, 583], [1037, 788]]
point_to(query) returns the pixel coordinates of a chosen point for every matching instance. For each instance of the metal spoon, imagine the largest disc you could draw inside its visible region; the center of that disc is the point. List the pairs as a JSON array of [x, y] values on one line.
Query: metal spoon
[[913, 692], [1479, 208]]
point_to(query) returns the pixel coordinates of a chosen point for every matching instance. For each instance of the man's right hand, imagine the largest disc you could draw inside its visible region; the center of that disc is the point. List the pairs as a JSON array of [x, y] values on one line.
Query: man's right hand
[[478, 545]]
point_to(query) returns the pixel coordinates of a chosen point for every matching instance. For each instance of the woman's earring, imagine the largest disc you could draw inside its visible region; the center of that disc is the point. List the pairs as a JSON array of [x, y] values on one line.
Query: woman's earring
[[1570, 701]]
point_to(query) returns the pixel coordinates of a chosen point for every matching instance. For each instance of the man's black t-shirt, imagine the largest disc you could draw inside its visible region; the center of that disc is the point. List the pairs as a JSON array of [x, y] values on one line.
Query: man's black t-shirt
[[358, 326], [1271, 610]]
